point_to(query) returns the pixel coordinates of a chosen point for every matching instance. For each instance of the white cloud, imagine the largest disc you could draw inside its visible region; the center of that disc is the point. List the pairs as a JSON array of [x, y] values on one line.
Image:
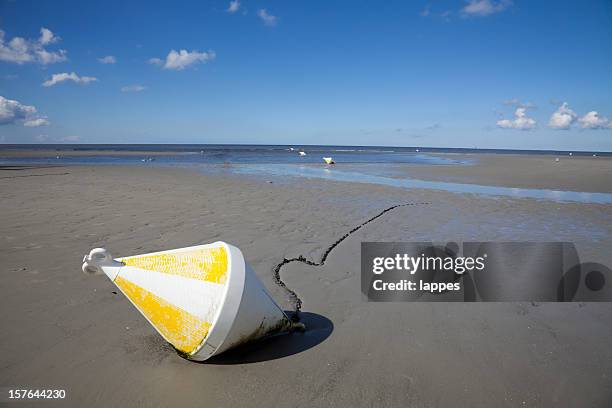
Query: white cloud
[[182, 59], [267, 18], [179, 60], [155, 61], [65, 76], [109, 59], [13, 112], [69, 139], [519, 104], [47, 36], [521, 121], [425, 12], [481, 8], [592, 120], [19, 50], [233, 7], [45, 57], [42, 121], [65, 139], [133, 88], [562, 118]]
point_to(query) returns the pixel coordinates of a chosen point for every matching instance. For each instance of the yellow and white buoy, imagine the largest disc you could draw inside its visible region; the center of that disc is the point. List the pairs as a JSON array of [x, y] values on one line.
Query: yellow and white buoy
[[203, 299]]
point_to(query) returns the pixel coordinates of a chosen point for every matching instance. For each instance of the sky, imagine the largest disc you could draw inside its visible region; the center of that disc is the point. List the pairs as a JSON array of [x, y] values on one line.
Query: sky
[[480, 73]]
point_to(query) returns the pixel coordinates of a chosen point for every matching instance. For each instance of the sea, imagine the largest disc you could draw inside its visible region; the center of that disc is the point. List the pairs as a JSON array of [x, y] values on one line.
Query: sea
[[244, 154], [362, 164]]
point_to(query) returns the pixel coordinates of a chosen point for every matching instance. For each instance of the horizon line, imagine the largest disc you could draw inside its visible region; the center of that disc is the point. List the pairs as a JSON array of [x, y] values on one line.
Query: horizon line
[[304, 145]]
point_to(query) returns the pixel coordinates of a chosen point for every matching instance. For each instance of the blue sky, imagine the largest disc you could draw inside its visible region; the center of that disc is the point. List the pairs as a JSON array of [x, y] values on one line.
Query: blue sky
[[484, 73]]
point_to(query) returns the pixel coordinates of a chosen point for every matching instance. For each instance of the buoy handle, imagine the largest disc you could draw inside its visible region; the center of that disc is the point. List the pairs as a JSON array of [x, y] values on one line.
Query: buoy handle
[[96, 259]]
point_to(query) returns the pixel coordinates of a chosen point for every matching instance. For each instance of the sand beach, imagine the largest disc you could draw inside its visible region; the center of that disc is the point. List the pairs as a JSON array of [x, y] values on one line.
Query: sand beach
[[75, 332]]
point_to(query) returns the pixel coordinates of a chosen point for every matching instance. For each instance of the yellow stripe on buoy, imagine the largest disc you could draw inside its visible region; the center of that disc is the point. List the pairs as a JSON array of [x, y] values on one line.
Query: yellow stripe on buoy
[[208, 264], [181, 329]]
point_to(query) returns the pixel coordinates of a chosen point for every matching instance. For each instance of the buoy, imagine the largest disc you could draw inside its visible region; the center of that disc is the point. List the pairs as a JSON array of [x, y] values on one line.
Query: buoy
[[203, 300], [329, 160]]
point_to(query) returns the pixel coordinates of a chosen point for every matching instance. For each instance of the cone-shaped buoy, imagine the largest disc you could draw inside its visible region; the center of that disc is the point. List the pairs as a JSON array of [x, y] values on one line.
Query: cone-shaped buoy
[[203, 299]]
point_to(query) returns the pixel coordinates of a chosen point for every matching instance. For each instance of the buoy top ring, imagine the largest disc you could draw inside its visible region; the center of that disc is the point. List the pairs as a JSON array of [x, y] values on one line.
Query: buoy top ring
[[96, 259]]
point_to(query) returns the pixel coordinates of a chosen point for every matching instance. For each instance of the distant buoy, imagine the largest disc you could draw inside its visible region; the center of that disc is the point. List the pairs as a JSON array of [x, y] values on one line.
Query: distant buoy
[[329, 160]]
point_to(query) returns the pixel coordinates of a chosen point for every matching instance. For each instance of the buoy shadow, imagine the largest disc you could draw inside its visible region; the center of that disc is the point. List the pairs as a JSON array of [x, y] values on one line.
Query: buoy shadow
[[318, 328]]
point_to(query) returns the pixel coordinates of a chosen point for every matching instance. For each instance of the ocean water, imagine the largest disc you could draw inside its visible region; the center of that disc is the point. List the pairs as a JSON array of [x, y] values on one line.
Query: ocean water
[[260, 154], [218, 154], [364, 164]]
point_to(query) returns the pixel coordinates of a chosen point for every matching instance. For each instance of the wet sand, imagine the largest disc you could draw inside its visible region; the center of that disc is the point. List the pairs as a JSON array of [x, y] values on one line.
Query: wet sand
[[66, 330], [577, 173], [46, 152]]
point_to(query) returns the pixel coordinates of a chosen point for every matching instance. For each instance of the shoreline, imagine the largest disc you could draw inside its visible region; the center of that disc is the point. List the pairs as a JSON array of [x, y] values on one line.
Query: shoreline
[[571, 174]]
